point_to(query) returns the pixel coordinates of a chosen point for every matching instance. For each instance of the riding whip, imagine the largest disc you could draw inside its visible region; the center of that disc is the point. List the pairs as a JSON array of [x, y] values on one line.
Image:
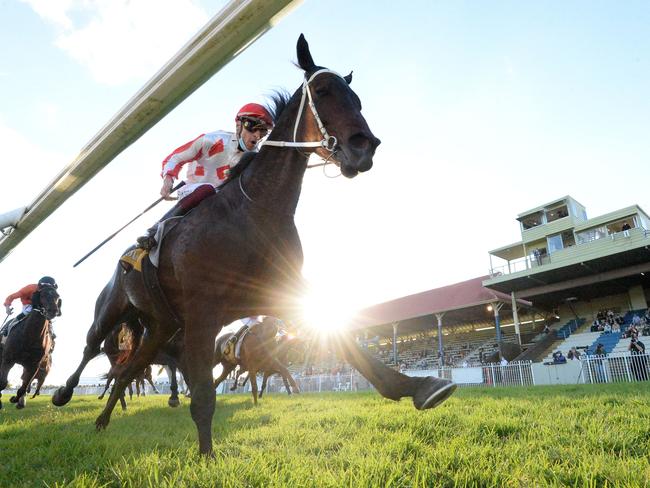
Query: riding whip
[[126, 225], [3, 322]]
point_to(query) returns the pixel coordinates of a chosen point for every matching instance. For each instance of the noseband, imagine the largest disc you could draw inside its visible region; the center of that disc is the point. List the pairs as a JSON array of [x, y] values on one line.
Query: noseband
[[328, 142]]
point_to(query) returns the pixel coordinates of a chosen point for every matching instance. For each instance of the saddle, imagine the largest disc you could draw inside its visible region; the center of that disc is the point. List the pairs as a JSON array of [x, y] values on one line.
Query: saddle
[[6, 329], [132, 259]]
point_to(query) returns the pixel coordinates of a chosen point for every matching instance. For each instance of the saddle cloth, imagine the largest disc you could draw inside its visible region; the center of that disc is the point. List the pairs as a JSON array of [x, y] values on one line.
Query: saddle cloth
[[233, 354]]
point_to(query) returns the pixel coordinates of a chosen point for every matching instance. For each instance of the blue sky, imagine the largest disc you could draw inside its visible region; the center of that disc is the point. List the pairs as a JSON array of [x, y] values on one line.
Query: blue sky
[[484, 109]]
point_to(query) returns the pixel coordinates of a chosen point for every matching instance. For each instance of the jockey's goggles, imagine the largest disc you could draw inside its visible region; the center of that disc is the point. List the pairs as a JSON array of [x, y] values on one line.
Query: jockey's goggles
[[254, 125]]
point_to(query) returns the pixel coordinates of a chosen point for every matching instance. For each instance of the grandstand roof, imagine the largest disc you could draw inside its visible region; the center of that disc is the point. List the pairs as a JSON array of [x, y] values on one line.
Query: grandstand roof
[[467, 300]]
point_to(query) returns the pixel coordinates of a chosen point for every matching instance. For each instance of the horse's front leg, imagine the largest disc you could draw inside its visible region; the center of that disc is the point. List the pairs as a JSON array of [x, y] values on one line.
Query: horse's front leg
[[427, 392], [173, 387], [27, 377], [109, 378], [200, 335], [4, 372], [252, 376]]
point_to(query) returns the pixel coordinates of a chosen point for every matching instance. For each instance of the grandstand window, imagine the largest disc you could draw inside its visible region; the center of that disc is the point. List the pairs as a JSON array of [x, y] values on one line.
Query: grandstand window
[[592, 234], [560, 241], [532, 220], [557, 213]]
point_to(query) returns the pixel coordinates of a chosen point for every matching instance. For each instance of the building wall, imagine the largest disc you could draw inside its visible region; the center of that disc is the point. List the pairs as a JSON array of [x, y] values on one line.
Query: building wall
[[589, 309], [637, 298]]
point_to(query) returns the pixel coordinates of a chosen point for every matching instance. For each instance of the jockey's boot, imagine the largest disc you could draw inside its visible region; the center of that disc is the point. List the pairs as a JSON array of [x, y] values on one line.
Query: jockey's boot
[[148, 241]]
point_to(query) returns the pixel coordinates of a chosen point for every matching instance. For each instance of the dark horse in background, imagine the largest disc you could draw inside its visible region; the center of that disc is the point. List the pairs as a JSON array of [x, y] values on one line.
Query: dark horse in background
[[287, 351], [257, 346], [238, 253], [29, 343], [120, 347]]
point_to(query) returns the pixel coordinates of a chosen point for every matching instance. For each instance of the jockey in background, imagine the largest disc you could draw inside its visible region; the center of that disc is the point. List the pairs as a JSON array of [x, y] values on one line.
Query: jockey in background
[[26, 296], [210, 157]]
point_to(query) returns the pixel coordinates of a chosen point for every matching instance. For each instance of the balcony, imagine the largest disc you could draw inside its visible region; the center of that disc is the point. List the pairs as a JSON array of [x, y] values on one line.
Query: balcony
[[581, 251]]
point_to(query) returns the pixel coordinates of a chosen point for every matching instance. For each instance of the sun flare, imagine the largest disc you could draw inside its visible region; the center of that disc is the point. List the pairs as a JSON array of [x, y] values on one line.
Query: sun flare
[[326, 313]]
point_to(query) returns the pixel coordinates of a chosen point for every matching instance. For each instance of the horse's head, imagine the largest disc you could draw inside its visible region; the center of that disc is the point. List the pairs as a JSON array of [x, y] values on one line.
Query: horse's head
[[50, 302], [337, 118]]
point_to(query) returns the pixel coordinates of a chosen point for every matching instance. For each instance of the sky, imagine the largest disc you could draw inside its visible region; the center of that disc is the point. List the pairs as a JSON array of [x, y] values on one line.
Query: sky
[[484, 109]]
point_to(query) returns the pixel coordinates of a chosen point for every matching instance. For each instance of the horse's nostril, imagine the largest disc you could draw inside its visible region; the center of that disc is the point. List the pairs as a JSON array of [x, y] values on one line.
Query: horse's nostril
[[359, 141]]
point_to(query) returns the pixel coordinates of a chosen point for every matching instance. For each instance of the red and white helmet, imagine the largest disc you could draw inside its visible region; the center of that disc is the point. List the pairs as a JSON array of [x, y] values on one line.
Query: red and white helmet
[[255, 111]]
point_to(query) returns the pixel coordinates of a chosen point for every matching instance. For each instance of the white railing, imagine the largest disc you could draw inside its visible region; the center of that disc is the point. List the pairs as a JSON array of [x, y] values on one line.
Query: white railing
[[615, 368]]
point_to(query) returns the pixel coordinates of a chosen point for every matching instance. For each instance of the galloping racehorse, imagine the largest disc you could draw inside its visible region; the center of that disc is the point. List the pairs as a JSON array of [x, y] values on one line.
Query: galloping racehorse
[[255, 355], [238, 253], [120, 346], [29, 343], [285, 350]]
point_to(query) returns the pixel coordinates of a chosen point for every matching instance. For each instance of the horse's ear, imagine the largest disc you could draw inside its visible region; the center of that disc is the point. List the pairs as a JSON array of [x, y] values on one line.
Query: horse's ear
[[304, 56], [348, 79]]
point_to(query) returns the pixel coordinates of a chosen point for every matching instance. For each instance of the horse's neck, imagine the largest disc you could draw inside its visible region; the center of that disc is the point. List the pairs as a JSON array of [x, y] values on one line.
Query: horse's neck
[[274, 179]]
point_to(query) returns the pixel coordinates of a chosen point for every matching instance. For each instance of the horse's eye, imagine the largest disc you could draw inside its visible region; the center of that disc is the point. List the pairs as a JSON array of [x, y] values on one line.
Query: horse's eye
[[321, 92]]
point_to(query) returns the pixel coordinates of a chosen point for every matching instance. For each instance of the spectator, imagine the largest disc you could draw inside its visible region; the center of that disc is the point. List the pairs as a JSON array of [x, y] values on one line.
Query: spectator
[[639, 359], [626, 229], [573, 354], [504, 361], [547, 329], [600, 350], [558, 357], [607, 328]]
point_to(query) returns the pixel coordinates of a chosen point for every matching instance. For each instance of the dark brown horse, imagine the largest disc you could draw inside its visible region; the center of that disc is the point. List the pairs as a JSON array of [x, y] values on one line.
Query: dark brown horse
[[29, 343], [121, 345], [238, 253], [255, 356], [286, 351]]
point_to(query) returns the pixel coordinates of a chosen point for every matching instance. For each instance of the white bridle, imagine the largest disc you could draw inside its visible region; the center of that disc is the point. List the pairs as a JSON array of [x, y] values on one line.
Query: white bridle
[[328, 142]]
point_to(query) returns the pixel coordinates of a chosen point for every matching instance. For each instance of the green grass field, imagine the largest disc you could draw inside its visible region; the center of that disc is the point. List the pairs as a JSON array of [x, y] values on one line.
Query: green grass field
[[591, 435]]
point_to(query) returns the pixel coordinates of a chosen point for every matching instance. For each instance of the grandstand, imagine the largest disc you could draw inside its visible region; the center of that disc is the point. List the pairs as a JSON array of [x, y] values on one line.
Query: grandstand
[[542, 295]]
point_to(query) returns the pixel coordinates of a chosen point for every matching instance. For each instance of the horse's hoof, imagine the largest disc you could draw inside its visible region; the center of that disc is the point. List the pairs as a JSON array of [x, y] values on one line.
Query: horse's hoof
[[173, 402], [101, 423], [61, 396], [21, 403], [432, 392], [13, 399]]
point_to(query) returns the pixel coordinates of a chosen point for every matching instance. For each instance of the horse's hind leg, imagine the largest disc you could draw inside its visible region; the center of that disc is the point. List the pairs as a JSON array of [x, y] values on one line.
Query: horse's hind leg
[[265, 379], [427, 392], [145, 354], [111, 305]]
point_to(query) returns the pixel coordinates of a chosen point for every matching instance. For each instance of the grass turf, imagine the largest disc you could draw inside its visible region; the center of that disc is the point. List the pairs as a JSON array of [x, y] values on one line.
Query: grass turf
[[583, 436]]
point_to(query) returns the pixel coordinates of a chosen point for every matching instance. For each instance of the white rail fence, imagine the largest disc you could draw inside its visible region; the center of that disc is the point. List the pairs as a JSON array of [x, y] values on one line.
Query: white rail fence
[[592, 369]]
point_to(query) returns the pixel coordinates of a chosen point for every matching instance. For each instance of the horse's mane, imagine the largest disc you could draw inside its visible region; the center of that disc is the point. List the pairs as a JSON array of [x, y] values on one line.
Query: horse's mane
[[279, 99]]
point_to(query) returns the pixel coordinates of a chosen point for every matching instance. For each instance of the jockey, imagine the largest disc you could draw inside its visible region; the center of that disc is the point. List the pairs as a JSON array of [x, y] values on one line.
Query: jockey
[[210, 157], [25, 295]]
